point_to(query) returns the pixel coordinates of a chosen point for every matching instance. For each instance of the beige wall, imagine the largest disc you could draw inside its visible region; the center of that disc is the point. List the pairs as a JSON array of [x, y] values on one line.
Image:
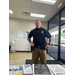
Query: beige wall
[[21, 25]]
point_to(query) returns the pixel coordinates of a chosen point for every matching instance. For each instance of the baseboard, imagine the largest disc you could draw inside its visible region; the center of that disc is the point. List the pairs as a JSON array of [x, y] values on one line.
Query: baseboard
[[22, 51]]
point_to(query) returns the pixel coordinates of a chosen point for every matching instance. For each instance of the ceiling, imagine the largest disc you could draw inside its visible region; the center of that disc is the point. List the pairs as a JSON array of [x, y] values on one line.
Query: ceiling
[[20, 6]]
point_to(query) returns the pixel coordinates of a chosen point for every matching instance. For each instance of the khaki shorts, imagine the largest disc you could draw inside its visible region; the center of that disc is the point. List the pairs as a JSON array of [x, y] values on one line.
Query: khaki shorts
[[37, 53]]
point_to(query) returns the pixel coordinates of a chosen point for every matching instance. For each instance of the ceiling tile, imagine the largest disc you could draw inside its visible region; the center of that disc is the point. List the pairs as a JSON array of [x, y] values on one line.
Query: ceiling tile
[[22, 17], [20, 8], [25, 3], [41, 6], [39, 11], [12, 15]]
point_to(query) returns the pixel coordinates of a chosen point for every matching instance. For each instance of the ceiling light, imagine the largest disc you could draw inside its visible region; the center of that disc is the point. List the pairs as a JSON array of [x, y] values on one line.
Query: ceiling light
[[37, 15], [62, 18], [10, 12], [52, 2]]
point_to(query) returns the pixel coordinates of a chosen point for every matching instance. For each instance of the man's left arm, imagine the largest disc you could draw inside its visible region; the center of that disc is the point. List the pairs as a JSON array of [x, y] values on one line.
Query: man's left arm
[[48, 44], [48, 35], [49, 41]]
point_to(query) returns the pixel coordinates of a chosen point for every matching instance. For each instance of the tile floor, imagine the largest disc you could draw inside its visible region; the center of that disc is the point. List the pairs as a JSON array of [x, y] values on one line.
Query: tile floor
[[19, 58]]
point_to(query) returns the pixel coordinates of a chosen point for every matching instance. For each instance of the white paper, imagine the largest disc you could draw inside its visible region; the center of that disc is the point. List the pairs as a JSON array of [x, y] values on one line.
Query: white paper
[[27, 69], [56, 69], [20, 34]]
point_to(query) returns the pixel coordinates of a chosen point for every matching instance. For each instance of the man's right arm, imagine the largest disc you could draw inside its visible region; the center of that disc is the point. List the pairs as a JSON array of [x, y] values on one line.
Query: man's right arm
[[29, 39], [31, 43]]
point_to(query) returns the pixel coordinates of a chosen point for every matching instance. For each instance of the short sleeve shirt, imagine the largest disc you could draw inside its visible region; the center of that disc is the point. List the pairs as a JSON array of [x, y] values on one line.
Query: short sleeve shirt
[[39, 36]]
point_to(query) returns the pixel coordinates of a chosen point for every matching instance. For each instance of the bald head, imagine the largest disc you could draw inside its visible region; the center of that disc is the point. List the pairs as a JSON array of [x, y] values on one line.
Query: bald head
[[38, 24]]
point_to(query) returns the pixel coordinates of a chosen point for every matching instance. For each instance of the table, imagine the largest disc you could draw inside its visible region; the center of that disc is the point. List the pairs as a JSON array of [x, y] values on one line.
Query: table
[[38, 69], [45, 70]]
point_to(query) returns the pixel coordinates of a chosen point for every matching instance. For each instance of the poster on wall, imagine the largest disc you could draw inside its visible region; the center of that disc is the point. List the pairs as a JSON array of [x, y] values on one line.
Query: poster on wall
[[26, 34], [20, 34]]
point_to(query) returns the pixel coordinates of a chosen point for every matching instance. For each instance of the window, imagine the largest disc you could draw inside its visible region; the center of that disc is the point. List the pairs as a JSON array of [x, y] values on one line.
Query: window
[[62, 43], [63, 16], [54, 34], [53, 50], [56, 27], [54, 22]]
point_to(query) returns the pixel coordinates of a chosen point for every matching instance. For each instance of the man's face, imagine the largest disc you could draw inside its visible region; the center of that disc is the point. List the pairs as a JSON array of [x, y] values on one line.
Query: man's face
[[38, 24]]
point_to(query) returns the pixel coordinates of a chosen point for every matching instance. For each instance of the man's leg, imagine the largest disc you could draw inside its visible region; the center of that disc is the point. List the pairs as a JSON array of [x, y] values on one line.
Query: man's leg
[[43, 56], [35, 56]]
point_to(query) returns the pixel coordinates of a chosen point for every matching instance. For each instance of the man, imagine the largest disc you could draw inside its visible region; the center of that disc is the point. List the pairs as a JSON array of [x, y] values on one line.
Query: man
[[39, 44]]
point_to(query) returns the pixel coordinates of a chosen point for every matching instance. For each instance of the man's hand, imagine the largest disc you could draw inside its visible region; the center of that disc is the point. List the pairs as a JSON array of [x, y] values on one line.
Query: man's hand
[[47, 46], [32, 44]]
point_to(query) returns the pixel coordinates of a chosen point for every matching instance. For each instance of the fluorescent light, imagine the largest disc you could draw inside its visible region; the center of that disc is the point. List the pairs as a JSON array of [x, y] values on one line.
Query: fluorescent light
[[52, 2], [37, 15], [62, 18], [10, 12]]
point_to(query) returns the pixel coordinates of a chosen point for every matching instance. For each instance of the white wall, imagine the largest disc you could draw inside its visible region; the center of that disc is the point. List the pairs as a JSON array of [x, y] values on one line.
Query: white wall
[[21, 25], [44, 25]]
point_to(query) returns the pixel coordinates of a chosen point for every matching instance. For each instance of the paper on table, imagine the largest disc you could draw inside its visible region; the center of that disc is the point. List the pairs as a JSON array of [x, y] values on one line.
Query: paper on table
[[15, 73], [27, 69], [56, 69], [15, 70]]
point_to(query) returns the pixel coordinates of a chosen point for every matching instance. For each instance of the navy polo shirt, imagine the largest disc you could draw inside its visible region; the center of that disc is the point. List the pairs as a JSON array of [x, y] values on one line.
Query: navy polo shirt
[[39, 36]]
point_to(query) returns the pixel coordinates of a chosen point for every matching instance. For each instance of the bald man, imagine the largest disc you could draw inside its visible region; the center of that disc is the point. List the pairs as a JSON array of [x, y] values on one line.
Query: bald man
[[39, 44]]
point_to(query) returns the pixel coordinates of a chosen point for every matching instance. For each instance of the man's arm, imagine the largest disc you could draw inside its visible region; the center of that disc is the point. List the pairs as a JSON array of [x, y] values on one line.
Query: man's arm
[[29, 36], [29, 39], [48, 35], [31, 43], [49, 41]]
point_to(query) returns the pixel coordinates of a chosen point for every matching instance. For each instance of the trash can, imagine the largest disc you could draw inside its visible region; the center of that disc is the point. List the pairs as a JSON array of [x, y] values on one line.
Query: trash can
[[12, 45]]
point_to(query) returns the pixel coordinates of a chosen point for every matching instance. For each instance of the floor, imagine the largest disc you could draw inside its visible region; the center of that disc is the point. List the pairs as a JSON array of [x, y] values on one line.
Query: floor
[[19, 58]]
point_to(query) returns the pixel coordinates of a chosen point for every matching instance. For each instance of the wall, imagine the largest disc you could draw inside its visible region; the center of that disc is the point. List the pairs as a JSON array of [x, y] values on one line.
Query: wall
[[21, 44]]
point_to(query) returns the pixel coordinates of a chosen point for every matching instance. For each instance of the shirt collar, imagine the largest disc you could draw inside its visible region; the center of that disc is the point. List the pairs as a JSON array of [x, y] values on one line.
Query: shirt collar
[[39, 28]]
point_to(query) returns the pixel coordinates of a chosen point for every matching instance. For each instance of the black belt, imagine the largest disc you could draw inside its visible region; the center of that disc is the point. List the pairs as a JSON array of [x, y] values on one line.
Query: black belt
[[42, 47], [39, 47]]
